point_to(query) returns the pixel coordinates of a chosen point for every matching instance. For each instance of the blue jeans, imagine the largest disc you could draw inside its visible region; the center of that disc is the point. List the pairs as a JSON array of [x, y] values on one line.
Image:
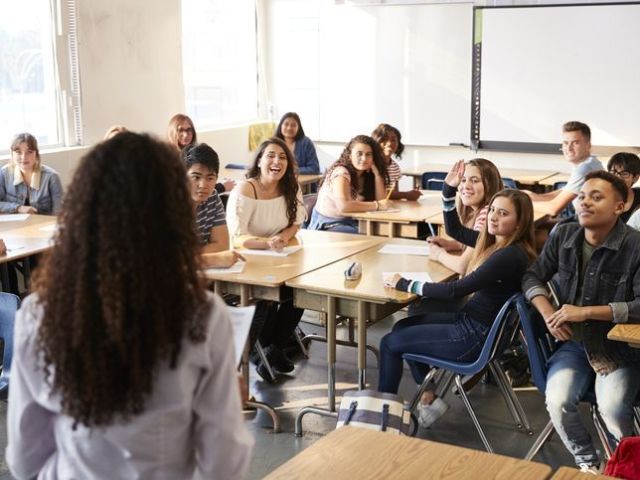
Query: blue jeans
[[331, 224], [568, 379], [452, 336]]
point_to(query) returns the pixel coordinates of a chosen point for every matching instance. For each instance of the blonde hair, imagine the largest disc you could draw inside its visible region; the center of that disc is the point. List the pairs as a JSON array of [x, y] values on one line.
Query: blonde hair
[[522, 235]]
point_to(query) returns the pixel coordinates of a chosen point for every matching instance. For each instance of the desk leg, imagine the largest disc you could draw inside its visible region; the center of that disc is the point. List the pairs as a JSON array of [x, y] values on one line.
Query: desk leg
[[369, 228], [362, 345], [331, 371], [244, 301], [391, 232]]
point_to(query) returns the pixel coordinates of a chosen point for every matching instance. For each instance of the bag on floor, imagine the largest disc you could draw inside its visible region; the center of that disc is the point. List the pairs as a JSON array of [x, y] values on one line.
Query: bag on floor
[[380, 411], [625, 461]]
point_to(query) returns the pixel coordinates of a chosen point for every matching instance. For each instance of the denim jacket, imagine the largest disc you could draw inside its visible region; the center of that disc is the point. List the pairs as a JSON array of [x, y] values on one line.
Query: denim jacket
[[45, 192], [612, 277]]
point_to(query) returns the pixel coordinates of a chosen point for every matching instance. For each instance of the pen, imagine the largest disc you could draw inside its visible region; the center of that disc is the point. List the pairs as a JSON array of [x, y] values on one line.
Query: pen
[[391, 187]]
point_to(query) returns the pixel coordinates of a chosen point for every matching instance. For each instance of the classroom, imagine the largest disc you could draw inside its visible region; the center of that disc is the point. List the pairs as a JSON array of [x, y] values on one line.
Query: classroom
[[426, 205]]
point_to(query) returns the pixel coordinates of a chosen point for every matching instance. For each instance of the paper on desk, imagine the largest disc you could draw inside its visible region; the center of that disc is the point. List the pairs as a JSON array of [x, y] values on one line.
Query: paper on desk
[[388, 210], [235, 268], [272, 253], [399, 249], [241, 318], [14, 217], [49, 228], [419, 276]]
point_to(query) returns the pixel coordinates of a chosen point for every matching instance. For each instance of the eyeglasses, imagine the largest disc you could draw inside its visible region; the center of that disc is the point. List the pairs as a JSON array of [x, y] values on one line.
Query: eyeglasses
[[185, 130], [622, 173]]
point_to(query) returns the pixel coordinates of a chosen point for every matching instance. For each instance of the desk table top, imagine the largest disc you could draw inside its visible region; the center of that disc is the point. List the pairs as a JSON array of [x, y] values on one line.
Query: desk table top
[[403, 211], [330, 279], [319, 249], [629, 333], [28, 237], [349, 453]]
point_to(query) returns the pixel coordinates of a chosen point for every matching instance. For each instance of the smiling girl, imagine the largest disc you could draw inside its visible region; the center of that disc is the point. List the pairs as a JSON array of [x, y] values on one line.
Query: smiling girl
[[27, 186], [354, 183], [503, 252], [290, 130]]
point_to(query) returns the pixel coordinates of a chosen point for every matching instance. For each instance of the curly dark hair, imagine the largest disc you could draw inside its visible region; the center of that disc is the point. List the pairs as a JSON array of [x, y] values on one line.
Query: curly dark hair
[[288, 185], [296, 117], [120, 288], [368, 187], [382, 132]]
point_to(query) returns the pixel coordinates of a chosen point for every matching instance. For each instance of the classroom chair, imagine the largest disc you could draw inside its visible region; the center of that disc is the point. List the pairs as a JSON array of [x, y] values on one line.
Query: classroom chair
[[500, 335], [235, 166], [433, 180], [509, 183], [540, 346], [309, 201], [9, 304], [569, 211]]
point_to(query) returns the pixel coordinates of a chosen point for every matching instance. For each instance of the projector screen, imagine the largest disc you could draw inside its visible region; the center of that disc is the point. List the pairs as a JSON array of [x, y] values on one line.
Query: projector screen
[[544, 66]]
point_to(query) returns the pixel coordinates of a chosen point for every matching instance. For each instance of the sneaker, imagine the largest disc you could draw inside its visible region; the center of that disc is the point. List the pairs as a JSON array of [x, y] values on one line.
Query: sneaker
[[261, 370], [278, 360], [588, 468], [428, 414]]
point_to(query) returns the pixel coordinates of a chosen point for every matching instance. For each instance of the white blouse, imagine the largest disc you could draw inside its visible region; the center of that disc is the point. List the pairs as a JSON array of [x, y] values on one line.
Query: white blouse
[[262, 218], [191, 427]]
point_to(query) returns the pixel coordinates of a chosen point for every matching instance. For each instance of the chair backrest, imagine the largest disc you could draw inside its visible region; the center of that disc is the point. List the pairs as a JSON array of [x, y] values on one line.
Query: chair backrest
[[569, 211], [236, 166], [434, 184], [9, 304], [509, 183], [309, 201], [426, 176], [540, 345]]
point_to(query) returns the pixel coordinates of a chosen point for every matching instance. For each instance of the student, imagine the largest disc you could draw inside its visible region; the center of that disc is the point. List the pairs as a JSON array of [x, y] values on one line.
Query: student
[[576, 148], [354, 183], [202, 173], [466, 190], [627, 167], [181, 133], [595, 266], [265, 212], [503, 252], [390, 141], [123, 364], [27, 186], [290, 130]]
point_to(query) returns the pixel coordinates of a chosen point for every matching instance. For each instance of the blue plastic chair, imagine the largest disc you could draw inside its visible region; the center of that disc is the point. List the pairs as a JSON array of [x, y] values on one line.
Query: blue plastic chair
[[540, 346], [498, 339], [236, 166], [509, 183], [569, 211], [9, 304], [428, 176]]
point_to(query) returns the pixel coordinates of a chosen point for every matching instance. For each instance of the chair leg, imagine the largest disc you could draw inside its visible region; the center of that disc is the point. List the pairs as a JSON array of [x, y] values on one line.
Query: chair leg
[[537, 444], [423, 386], [601, 431], [472, 413], [510, 398], [264, 360], [636, 420], [299, 335]]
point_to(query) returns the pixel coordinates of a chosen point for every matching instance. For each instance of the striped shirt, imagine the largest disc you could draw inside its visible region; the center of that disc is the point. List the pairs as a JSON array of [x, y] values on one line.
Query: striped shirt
[[209, 214], [393, 169]]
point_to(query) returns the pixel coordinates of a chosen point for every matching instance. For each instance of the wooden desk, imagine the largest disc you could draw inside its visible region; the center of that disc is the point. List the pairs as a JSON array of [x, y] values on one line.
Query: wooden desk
[[415, 169], [326, 290], [27, 237], [629, 333], [403, 219], [351, 453], [568, 473], [238, 175]]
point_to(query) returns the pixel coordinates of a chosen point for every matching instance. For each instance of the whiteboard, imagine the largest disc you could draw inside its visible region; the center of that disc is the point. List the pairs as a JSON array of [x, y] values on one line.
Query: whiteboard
[[347, 68], [544, 66]]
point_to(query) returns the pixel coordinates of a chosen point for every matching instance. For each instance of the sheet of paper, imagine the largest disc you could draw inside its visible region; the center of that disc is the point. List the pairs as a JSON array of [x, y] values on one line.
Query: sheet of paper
[[419, 276], [388, 210], [272, 253], [235, 268], [14, 217], [49, 228], [241, 318], [399, 249]]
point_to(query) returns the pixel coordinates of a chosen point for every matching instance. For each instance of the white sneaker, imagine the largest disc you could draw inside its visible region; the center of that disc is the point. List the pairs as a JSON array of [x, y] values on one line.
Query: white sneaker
[[588, 468], [427, 414]]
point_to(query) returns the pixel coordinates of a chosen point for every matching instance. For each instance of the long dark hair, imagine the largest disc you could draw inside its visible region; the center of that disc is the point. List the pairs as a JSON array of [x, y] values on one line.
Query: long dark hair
[[296, 117], [120, 288], [382, 133], [288, 184], [366, 188]]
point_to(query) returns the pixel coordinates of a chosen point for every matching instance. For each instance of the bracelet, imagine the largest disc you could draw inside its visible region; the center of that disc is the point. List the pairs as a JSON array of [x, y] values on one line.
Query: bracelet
[[377, 205]]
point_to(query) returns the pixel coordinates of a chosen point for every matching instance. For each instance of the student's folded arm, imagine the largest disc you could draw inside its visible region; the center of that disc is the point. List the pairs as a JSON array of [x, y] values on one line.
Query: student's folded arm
[[218, 240], [342, 198], [542, 270], [311, 164], [57, 192], [628, 312]]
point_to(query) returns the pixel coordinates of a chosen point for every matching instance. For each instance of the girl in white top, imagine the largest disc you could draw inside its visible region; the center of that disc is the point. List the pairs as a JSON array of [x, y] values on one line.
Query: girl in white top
[[356, 182], [265, 212], [123, 364], [390, 141]]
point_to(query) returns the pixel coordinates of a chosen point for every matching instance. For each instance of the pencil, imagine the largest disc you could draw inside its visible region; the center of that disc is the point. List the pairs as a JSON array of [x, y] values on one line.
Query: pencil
[[393, 185]]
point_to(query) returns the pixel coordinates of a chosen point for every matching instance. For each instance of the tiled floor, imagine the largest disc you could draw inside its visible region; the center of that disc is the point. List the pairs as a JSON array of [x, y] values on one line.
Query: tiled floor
[[307, 386]]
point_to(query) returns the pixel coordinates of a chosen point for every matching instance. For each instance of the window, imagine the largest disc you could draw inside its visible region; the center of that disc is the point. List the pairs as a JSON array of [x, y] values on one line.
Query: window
[[30, 86], [220, 61]]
